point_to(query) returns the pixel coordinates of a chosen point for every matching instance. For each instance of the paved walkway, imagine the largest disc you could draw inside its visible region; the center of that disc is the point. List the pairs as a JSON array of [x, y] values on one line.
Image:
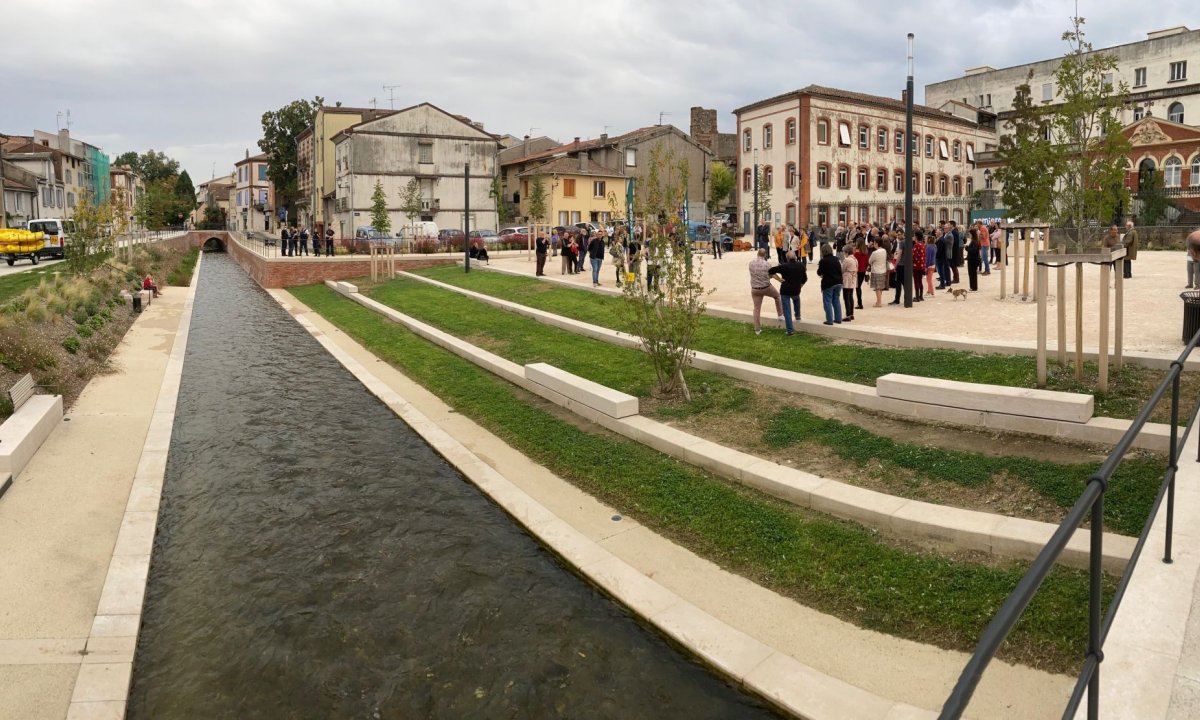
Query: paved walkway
[[1153, 310]]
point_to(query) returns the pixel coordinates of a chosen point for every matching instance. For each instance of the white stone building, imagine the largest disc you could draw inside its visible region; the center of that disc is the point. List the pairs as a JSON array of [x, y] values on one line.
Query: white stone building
[[422, 142], [829, 155], [1161, 72]]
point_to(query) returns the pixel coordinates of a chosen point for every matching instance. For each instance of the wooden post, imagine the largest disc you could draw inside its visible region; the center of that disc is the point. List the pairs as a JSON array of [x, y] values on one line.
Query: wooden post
[[1002, 263], [1078, 321], [1119, 318], [1025, 274], [1102, 350], [1041, 324], [1061, 301], [1016, 266]]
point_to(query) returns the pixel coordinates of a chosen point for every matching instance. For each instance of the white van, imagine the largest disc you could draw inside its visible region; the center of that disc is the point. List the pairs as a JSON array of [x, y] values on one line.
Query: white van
[[421, 229], [58, 235]]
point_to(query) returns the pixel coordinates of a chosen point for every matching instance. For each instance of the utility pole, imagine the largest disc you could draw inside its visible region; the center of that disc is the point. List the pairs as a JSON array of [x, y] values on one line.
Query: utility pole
[[391, 95], [467, 216], [906, 258]]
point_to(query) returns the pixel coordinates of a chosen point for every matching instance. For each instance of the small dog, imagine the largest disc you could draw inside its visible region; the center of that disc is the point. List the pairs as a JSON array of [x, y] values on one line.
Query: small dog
[[959, 294]]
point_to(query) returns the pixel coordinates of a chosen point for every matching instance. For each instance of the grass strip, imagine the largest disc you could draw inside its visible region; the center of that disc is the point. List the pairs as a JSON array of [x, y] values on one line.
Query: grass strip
[[1126, 504], [14, 284], [523, 340], [838, 567], [1129, 387]]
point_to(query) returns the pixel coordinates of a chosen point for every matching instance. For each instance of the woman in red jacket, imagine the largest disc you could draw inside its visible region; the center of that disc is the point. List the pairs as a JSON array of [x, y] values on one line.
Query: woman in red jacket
[[861, 255], [918, 255]]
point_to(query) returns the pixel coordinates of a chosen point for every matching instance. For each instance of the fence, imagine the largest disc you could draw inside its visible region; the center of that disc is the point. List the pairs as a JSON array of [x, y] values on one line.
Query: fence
[[1089, 505]]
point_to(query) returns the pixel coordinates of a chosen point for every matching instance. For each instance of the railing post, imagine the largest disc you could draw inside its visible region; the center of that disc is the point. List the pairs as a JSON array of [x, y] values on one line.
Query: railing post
[[1094, 610], [1172, 461]]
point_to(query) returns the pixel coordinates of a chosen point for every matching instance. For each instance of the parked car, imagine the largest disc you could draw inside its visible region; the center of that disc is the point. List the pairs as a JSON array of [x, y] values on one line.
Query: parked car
[[370, 234], [419, 229], [591, 227], [698, 231], [487, 236], [452, 237]]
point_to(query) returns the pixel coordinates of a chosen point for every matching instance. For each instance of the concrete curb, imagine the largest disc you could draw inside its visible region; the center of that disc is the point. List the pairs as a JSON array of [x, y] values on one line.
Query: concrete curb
[[102, 684], [938, 526], [1100, 430], [784, 681]]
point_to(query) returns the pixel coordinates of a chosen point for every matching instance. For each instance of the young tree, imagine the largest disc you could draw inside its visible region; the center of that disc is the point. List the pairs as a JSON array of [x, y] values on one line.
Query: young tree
[[410, 200], [379, 210], [764, 196], [280, 129], [1087, 128], [721, 183], [537, 199], [1031, 161], [666, 315], [1152, 197], [92, 240]]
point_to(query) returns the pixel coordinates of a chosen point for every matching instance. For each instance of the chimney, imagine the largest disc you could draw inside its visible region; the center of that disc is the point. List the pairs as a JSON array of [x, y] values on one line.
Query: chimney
[[64, 140], [583, 161], [576, 139], [603, 137], [904, 96], [247, 153], [525, 152]]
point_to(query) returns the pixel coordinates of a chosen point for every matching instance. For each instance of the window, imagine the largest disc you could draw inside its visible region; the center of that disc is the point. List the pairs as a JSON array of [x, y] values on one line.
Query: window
[[970, 186], [1196, 170], [881, 184], [822, 132], [929, 184], [768, 135], [1175, 112], [1178, 71], [791, 214], [823, 175], [47, 195], [1106, 79], [746, 140], [916, 184], [843, 213], [598, 189], [916, 142], [790, 179], [262, 173], [59, 193], [928, 146], [942, 185], [569, 187], [957, 151], [882, 140], [262, 197], [1139, 77], [844, 134], [898, 181], [768, 177], [929, 216], [943, 214], [575, 217], [881, 215], [1046, 132], [970, 153], [68, 174], [822, 214], [844, 177], [957, 186], [70, 199], [1172, 172], [864, 137], [862, 178], [746, 180], [958, 216], [864, 214], [899, 145], [630, 157], [1139, 112], [564, 217], [945, 153], [425, 153], [1047, 92], [791, 131]]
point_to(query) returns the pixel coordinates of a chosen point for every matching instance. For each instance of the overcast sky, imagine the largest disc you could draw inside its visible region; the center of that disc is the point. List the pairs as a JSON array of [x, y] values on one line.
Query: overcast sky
[[193, 77]]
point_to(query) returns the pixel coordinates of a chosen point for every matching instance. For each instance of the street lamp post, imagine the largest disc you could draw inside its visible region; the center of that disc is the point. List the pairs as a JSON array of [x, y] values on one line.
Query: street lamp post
[[906, 258], [467, 217], [755, 230]]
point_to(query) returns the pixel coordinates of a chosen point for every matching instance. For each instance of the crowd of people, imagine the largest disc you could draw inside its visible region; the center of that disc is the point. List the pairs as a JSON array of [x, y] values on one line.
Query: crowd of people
[[293, 241]]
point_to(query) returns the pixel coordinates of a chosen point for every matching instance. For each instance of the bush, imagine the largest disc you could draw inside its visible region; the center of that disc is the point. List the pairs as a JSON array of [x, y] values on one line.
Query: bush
[[96, 322], [80, 316], [84, 331], [71, 344]]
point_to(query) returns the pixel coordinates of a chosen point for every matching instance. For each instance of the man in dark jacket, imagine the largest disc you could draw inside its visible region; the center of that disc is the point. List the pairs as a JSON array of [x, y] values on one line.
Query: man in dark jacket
[[792, 275], [540, 249], [762, 236], [957, 250], [595, 251]]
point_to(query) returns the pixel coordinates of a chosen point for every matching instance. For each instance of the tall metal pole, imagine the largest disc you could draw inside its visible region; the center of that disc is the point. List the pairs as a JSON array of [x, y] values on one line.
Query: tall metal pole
[[466, 217], [754, 231], [906, 258]]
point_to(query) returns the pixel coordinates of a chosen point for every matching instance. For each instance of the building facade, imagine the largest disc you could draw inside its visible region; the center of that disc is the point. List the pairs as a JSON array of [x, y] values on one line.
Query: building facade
[[316, 173], [723, 146], [127, 189], [826, 156], [88, 173], [254, 196], [1161, 72], [425, 143], [577, 189]]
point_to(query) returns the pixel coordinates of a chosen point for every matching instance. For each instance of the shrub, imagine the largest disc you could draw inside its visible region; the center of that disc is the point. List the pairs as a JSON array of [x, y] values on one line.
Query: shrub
[[84, 331], [37, 313], [96, 322], [71, 344], [91, 308], [80, 316]]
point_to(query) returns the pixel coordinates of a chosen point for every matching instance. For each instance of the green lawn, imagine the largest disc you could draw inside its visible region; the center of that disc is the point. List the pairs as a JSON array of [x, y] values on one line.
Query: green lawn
[[16, 283], [837, 567], [817, 355]]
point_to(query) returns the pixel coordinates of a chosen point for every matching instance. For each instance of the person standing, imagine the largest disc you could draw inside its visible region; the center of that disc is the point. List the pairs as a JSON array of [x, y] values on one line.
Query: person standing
[[634, 257], [792, 275], [328, 242], [316, 241], [918, 262], [568, 259], [877, 263], [973, 260], [849, 280], [985, 250], [762, 235], [995, 243], [957, 250], [540, 248], [616, 250], [285, 239], [931, 261], [304, 240], [861, 255], [1193, 260], [595, 249], [1131, 246], [945, 247], [830, 271], [780, 242], [902, 269], [715, 239], [760, 287]]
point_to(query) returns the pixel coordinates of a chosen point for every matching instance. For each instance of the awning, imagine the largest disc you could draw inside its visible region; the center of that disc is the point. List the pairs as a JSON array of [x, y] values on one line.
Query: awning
[[945, 151]]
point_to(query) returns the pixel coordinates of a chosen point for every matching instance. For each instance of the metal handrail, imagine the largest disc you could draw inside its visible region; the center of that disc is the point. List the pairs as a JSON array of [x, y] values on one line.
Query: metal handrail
[[1090, 502]]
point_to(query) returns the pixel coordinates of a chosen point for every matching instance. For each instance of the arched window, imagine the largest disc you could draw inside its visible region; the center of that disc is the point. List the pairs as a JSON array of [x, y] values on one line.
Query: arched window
[[823, 175], [746, 180], [898, 182], [1172, 172], [928, 146], [863, 178], [746, 139], [943, 214], [791, 214], [1146, 170], [822, 132], [943, 188], [1196, 170], [970, 185], [957, 151], [790, 176], [881, 180], [957, 186], [844, 177], [768, 177], [928, 183], [791, 131], [1175, 112], [768, 135], [958, 216]]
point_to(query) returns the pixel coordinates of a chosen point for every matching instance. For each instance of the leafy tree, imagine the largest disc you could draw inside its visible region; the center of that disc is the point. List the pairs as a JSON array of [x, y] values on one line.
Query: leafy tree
[[151, 166], [1153, 198], [764, 196], [214, 218], [129, 159], [185, 192], [666, 316], [537, 199], [1087, 129], [721, 182], [92, 240], [379, 211], [280, 129], [410, 200], [1030, 161]]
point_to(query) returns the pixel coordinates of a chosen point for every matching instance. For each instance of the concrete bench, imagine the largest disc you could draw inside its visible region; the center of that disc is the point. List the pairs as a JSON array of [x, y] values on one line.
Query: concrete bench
[[1048, 404], [34, 418], [594, 395]]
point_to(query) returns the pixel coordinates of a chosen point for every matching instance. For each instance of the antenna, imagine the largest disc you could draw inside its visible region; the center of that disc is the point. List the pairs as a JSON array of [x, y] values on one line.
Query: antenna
[[372, 101], [392, 95], [530, 133], [660, 116]]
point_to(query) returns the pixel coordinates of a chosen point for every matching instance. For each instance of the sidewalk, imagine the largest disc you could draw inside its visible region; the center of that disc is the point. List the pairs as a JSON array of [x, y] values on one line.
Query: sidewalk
[[59, 524]]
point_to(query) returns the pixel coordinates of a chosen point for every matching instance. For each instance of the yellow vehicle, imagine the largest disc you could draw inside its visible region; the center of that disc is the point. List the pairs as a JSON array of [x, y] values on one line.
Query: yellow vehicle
[[19, 244]]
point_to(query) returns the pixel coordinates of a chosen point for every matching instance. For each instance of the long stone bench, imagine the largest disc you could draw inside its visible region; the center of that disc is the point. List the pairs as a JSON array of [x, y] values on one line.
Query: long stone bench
[[612, 403], [1026, 402], [26, 429]]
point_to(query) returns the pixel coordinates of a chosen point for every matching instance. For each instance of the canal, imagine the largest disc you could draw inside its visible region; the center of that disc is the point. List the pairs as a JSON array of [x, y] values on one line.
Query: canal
[[316, 559]]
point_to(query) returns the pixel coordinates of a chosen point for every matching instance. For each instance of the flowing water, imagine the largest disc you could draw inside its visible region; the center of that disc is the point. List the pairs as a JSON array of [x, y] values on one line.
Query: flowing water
[[316, 559]]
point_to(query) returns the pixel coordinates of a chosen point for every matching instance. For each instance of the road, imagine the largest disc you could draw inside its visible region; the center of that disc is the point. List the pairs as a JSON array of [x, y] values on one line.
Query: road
[[24, 266]]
